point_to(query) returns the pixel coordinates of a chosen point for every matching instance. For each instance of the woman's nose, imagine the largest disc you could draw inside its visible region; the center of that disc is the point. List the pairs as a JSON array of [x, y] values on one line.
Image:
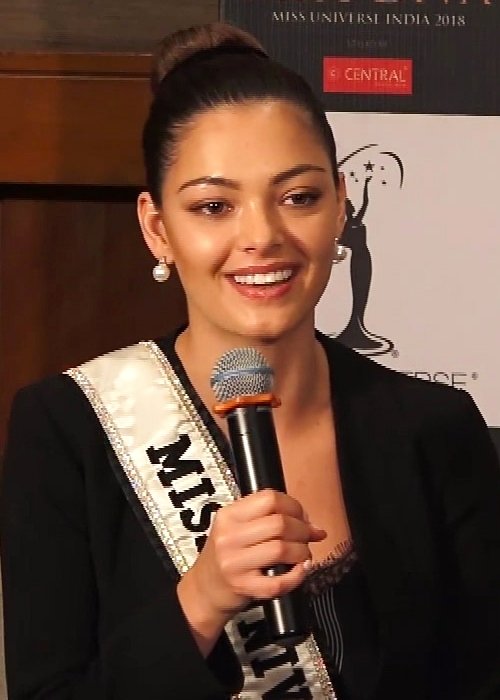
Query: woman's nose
[[260, 227]]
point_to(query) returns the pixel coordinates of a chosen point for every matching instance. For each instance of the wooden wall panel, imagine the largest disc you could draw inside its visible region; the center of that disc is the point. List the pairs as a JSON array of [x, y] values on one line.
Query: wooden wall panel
[[75, 281], [72, 118], [108, 25]]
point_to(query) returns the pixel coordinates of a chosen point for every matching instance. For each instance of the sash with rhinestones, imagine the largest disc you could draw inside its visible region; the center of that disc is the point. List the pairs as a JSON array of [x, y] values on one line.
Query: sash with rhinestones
[[180, 478]]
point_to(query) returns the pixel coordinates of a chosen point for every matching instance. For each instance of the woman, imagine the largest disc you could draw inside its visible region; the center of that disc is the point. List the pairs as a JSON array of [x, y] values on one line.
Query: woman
[[117, 474]]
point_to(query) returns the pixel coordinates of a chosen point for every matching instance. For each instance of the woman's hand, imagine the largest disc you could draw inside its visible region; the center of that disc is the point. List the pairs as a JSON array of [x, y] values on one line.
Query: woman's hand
[[247, 536]]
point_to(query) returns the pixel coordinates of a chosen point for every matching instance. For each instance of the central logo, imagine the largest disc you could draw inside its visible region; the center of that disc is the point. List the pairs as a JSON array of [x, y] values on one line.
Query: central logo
[[389, 76]]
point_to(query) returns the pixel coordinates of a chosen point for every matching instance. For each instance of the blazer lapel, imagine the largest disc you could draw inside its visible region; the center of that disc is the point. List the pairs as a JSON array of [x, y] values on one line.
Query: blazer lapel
[[386, 510]]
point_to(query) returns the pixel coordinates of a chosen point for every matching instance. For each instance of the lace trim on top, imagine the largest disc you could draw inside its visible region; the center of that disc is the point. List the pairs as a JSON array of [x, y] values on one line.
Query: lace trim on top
[[330, 570]]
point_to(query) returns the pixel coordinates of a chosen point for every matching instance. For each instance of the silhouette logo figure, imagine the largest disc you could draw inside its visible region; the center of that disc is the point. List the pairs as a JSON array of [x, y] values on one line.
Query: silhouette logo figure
[[356, 335]]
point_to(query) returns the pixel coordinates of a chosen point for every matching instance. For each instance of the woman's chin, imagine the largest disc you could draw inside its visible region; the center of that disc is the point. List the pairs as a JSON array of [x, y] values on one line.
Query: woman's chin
[[268, 331]]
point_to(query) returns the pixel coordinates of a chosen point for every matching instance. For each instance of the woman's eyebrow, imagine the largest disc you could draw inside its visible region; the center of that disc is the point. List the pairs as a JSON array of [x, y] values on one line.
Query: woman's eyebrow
[[296, 170], [210, 180], [233, 184]]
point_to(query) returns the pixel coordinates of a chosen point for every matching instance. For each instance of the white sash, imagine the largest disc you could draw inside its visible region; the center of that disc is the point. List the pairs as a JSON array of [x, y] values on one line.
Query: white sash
[[180, 477]]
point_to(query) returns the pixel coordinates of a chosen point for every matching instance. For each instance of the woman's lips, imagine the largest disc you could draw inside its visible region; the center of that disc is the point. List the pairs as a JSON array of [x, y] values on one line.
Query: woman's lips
[[263, 283]]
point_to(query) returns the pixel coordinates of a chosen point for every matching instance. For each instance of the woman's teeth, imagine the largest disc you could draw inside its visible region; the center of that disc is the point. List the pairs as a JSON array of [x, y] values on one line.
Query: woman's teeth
[[267, 278]]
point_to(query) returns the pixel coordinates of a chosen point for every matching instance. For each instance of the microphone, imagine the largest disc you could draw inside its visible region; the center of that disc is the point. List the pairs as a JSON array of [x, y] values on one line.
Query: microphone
[[242, 382]]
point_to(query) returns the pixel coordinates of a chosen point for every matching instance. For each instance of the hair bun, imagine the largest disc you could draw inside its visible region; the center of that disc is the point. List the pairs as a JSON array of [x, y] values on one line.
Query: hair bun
[[176, 48]]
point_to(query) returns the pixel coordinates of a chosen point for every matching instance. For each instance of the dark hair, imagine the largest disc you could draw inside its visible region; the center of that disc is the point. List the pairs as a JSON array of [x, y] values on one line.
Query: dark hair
[[207, 66]]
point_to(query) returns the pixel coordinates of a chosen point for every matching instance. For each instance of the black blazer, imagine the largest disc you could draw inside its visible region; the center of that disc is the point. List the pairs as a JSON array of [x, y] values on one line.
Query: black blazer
[[90, 605]]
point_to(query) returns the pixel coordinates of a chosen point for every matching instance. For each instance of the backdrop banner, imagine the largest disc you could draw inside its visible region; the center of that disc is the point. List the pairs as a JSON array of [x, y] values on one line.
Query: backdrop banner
[[411, 92]]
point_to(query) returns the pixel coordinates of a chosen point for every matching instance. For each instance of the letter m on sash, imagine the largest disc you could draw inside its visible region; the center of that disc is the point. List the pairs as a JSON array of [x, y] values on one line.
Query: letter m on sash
[[172, 466]]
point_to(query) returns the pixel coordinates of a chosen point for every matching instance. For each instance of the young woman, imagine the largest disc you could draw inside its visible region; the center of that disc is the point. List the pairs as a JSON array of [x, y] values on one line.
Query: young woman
[[131, 567]]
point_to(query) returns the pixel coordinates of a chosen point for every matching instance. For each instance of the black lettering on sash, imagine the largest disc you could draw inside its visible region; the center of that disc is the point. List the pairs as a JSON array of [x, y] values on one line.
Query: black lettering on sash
[[256, 637], [204, 487], [284, 689], [261, 666], [205, 516], [172, 466], [170, 453], [255, 633], [200, 542]]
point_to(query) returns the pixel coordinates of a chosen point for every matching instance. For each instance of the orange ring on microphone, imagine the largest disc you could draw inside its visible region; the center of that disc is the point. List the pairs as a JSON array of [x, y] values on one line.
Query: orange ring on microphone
[[240, 401]]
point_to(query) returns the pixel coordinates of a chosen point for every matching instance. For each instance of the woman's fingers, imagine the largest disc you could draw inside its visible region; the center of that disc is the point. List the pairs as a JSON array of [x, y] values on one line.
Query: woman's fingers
[[275, 526], [262, 503], [317, 533], [263, 555], [264, 587]]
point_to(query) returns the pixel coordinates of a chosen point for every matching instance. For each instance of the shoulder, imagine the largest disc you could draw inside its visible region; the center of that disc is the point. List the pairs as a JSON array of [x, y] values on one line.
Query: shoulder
[[422, 403], [68, 401], [439, 425], [64, 387], [59, 404], [53, 417], [362, 371], [55, 395]]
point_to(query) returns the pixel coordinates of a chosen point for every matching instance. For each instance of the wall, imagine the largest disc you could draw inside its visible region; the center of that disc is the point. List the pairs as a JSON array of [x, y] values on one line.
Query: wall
[[75, 278]]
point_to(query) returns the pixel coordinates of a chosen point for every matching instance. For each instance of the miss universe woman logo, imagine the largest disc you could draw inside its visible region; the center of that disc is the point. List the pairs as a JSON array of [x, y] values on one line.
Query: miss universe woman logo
[[363, 168]]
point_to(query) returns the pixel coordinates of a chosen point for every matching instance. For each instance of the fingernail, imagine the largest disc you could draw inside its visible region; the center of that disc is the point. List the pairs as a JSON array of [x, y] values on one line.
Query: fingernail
[[307, 564]]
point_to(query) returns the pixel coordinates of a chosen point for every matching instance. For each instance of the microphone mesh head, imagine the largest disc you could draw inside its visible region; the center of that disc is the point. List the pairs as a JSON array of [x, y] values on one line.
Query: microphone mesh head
[[241, 372]]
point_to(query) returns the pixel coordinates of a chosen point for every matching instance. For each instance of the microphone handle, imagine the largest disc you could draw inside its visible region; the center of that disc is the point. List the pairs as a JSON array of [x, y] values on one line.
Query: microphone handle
[[258, 466]]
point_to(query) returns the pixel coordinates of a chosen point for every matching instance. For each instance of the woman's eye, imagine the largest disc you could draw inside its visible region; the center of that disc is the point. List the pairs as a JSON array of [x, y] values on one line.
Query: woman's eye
[[212, 208], [303, 199]]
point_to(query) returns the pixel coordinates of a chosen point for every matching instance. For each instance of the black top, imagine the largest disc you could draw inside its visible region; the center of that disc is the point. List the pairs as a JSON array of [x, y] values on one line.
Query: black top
[[91, 610], [344, 623]]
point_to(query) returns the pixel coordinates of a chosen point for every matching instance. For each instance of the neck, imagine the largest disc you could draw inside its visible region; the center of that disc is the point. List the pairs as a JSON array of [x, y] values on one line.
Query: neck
[[297, 358]]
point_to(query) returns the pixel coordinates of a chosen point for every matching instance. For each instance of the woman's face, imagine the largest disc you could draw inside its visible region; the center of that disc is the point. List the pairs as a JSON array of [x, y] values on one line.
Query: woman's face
[[249, 216]]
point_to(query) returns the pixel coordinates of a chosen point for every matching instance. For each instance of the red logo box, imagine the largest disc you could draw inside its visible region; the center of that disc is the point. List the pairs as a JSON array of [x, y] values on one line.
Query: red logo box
[[383, 76]]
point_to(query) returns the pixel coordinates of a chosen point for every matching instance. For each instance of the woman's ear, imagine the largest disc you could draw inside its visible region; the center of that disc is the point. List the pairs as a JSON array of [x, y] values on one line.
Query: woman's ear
[[153, 228]]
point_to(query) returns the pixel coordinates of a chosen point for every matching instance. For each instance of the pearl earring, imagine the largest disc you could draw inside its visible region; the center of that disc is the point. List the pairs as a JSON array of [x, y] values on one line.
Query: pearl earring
[[340, 252], [161, 271]]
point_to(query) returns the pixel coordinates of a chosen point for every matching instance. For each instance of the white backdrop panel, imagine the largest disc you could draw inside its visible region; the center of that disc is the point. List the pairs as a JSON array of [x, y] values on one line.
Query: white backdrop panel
[[434, 241]]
